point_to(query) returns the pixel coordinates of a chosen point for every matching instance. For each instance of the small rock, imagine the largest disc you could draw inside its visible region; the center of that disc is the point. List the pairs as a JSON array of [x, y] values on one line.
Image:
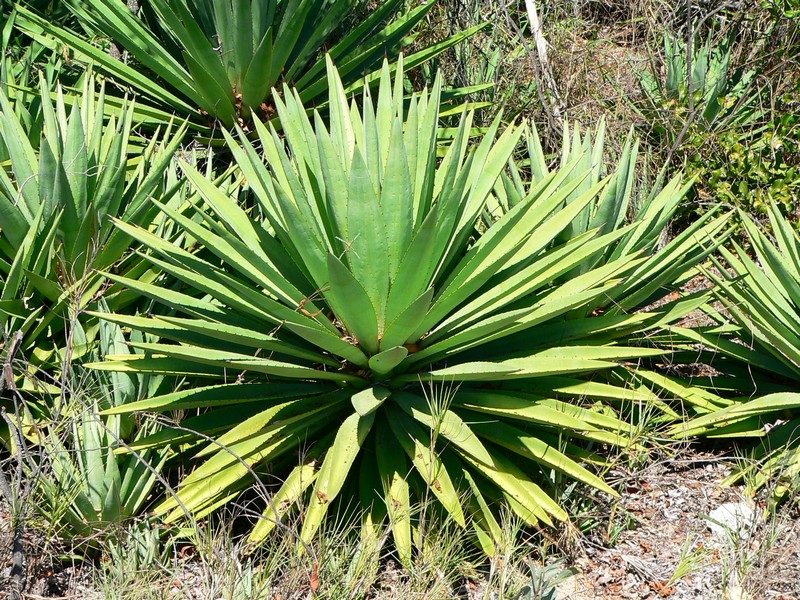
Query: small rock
[[736, 592], [731, 517]]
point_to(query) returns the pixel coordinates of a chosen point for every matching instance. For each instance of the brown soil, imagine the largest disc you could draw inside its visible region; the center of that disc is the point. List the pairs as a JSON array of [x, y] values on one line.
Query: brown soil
[[659, 543]]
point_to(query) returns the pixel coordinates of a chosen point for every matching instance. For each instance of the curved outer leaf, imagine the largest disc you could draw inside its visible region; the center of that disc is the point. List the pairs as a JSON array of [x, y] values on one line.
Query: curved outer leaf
[[427, 462], [531, 447], [394, 472]]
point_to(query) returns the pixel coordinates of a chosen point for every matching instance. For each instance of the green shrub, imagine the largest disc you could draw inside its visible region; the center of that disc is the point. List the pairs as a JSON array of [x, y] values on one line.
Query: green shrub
[[754, 169]]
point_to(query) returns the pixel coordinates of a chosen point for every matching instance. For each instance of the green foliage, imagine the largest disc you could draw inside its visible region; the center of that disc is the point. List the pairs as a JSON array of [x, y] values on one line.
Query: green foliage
[[55, 201], [753, 169], [706, 95], [87, 488], [712, 118], [376, 324], [785, 9], [352, 314], [739, 142], [757, 343], [222, 58], [82, 485]]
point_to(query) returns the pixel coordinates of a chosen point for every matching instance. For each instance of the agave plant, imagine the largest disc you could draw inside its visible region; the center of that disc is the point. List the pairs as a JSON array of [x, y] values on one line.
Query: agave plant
[[757, 346], [55, 205], [222, 57], [721, 97], [86, 486], [383, 334]]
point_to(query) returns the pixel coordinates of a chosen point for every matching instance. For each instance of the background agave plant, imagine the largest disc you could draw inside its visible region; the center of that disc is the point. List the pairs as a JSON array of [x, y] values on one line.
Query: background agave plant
[[223, 58], [755, 346], [358, 303], [707, 93], [56, 198]]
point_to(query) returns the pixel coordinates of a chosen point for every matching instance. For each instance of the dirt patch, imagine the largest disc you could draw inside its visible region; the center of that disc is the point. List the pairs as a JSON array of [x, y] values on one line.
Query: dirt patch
[[660, 541]]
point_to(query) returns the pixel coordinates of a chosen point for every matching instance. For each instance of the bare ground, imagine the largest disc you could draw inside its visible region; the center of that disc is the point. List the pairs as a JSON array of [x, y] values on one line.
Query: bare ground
[[655, 541], [667, 549]]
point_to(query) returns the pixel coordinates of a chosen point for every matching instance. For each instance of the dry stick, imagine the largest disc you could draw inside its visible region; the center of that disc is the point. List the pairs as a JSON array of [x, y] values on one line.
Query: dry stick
[[7, 376], [541, 51], [553, 119], [17, 548]]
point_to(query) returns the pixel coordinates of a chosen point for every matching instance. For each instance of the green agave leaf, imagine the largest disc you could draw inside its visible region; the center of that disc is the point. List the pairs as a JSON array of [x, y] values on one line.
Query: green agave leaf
[[369, 400], [553, 361], [233, 360], [348, 298], [527, 407], [196, 332], [447, 424], [394, 471], [523, 499], [298, 481], [255, 440], [126, 363], [419, 449], [219, 395], [487, 529], [531, 447], [385, 361], [189, 432], [771, 403], [702, 400], [335, 469], [401, 330]]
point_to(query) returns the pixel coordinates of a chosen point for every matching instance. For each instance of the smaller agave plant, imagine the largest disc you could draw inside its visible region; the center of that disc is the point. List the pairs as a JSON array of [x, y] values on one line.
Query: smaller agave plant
[[755, 345], [58, 189], [88, 487], [363, 331], [721, 96]]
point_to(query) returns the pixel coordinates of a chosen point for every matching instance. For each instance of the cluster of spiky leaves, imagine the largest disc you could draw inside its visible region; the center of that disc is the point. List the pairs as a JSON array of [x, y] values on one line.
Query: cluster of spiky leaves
[[56, 196], [359, 313], [721, 96], [755, 344], [222, 58]]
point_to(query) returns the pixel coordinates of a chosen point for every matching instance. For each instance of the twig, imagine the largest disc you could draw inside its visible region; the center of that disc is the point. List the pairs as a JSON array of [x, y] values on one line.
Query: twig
[[541, 51], [17, 544], [553, 114], [7, 376]]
